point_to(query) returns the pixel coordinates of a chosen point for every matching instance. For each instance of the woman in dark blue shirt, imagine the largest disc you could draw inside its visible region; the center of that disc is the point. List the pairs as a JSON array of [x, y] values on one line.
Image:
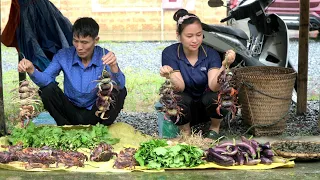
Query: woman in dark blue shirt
[[193, 69]]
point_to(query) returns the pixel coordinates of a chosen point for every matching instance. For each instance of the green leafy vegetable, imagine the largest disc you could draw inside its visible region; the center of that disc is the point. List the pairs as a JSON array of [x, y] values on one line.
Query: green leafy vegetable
[[156, 154], [56, 137]]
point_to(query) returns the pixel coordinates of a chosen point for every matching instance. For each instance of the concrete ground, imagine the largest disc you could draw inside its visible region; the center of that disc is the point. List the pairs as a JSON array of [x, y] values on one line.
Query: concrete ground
[[303, 171], [297, 138]]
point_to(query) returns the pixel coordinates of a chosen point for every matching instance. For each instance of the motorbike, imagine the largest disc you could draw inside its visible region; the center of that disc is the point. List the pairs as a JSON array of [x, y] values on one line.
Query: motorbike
[[267, 44], [268, 41]]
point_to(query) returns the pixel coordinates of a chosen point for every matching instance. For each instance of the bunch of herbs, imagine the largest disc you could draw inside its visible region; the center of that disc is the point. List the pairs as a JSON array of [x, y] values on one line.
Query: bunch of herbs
[[59, 138], [156, 154]]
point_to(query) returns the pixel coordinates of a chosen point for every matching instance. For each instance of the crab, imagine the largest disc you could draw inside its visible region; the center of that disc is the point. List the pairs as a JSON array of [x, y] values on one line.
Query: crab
[[171, 108], [105, 86], [27, 100], [103, 152], [227, 96], [26, 112], [103, 103], [126, 159]]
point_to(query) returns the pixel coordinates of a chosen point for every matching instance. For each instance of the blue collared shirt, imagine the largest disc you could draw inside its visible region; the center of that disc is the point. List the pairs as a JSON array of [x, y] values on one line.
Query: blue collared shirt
[[79, 81], [195, 77]]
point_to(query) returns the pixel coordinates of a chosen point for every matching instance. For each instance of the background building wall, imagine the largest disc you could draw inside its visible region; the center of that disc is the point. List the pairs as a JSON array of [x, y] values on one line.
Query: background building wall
[[129, 16]]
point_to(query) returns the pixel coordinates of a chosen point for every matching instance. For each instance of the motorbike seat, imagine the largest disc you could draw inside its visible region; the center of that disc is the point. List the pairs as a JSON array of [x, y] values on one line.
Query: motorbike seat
[[225, 29]]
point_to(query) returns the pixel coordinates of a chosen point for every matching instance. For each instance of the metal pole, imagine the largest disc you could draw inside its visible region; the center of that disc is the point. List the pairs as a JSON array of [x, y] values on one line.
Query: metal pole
[[3, 128], [303, 57]]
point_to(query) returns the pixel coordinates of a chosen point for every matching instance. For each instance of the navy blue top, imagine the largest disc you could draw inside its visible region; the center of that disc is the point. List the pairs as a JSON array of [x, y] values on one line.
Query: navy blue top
[[79, 81], [195, 77]]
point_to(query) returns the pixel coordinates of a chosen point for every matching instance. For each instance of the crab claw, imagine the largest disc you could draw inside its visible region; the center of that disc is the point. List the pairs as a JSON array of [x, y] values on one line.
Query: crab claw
[[166, 118], [102, 116], [177, 120], [233, 92], [218, 110]]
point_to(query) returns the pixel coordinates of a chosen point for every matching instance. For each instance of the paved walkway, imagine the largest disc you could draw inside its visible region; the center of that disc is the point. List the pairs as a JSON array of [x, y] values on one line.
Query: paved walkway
[[298, 138], [301, 171]]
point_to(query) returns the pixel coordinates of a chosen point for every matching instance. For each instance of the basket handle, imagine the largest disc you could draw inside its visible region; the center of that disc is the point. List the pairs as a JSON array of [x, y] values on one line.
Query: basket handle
[[251, 87]]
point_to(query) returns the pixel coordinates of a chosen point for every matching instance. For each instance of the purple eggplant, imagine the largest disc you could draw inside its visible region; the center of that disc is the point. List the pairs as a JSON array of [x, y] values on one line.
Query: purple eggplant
[[219, 150], [253, 143], [265, 160], [268, 153], [224, 145], [245, 156], [239, 158], [251, 162], [252, 152], [231, 151], [266, 145], [219, 159], [245, 140]]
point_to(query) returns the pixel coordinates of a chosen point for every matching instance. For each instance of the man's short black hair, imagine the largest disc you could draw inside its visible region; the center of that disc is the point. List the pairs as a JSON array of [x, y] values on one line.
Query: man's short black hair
[[84, 27]]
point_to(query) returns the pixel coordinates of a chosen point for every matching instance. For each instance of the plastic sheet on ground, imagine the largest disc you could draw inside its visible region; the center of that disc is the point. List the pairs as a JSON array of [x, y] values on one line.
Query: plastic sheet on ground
[[129, 137]]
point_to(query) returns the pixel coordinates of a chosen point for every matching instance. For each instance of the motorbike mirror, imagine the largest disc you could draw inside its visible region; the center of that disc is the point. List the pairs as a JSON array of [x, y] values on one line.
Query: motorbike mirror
[[215, 3]]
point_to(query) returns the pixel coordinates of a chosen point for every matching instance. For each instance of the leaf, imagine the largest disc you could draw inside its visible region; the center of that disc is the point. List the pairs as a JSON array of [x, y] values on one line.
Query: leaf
[[160, 151], [174, 150], [186, 156], [139, 158], [154, 165], [176, 160]]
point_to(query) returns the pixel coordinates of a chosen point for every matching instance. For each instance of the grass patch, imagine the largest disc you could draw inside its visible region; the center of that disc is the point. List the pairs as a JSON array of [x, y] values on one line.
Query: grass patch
[[314, 97], [143, 90], [10, 82], [142, 86]]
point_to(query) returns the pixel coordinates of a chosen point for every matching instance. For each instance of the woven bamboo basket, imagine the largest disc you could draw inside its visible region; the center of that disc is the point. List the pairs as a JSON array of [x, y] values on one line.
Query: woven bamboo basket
[[300, 150], [265, 97]]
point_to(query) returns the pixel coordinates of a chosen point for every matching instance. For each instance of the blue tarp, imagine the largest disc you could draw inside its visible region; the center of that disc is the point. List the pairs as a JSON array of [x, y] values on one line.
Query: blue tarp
[[44, 118]]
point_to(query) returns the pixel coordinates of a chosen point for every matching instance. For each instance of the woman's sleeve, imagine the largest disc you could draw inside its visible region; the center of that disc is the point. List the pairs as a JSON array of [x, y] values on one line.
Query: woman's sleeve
[[169, 60], [214, 59]]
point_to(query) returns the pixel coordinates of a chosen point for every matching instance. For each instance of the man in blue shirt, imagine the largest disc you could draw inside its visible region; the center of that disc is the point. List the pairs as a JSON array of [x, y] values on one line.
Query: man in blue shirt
[[82, 64]]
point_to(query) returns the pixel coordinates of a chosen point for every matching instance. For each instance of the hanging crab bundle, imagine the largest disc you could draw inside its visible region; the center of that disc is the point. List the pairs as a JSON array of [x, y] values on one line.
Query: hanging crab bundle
[[227, 95], [27, 98], [105, 99], [169, 99]]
